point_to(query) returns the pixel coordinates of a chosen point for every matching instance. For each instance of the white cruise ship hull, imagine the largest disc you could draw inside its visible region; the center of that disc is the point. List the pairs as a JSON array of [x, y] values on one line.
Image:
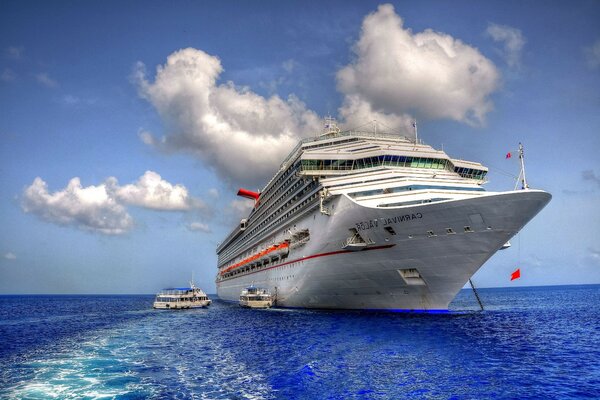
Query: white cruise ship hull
[[436, 248]]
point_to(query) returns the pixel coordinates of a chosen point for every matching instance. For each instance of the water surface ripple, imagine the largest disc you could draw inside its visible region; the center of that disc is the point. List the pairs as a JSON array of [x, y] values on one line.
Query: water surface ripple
[[529, 343]]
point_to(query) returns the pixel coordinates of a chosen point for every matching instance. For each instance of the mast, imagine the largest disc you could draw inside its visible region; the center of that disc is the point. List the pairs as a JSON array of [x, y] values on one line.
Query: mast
[[522, 159]]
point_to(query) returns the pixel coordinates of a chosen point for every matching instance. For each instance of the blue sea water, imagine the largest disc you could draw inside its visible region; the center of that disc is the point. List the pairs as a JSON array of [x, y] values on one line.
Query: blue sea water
[[529, 343]]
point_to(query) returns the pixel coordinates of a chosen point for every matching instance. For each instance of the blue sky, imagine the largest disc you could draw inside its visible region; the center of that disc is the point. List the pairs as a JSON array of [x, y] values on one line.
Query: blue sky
[[158, 155]]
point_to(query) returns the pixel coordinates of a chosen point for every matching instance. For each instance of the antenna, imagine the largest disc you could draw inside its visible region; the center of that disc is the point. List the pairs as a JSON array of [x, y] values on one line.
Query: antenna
[[330, 126], [416, 132]]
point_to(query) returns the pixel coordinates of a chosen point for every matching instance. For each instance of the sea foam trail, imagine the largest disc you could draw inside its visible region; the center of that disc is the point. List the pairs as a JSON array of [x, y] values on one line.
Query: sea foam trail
[[536, 341]]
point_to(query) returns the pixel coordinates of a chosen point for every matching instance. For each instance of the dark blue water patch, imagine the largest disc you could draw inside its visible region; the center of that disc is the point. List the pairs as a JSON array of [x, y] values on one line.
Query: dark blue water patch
[[29, 324], [529, 343]]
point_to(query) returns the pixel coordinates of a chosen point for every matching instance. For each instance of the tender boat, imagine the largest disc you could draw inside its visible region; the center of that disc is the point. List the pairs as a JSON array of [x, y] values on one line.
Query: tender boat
[[180, 298], [255, 297]]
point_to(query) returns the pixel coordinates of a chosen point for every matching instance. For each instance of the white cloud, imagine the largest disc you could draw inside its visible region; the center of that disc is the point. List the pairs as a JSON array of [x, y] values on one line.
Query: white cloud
[[199, 227], [357, 112], [101, 208], [431, 74], [513, 42], [45, 80], [91, 208], [10, 256], [214, 193], [147, 137], [14, 52], [239, 208], [69, 99], [8, 75], [241, 135], [289, 65], [592, 54], [594, 254], [153, 192], [72, 100]]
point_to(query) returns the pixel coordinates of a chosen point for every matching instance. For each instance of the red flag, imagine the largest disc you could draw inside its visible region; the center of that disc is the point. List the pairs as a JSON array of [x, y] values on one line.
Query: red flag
[[516, 274], [508, 155]]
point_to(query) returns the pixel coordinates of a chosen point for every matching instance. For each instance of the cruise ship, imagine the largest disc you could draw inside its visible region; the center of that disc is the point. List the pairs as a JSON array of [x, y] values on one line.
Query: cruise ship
[[370, 220]]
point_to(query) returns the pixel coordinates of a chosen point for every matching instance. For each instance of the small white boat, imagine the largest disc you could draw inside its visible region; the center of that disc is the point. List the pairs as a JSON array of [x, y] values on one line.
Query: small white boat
[[180, 298], [255, 297]]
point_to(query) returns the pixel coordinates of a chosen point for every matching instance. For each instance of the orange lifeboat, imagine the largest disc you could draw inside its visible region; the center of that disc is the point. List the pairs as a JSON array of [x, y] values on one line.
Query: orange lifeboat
[[274, 251]]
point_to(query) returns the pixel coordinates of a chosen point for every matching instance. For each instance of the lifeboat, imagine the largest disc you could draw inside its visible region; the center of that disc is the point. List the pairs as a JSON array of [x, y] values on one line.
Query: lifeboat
[[275, 251]]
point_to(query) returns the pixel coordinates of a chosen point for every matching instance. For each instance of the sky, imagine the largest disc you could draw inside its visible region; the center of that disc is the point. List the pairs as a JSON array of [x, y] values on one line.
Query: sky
[[126, 128]]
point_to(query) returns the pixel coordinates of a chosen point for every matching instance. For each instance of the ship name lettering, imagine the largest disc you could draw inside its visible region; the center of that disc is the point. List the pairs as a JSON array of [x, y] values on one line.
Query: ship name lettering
[[364, 225], [361, 226], [401, 218]]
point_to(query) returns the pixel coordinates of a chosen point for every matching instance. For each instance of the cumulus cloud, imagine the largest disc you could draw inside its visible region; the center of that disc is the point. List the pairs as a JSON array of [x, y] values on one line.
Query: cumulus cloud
[[153, 192], [14, 52], [147, 137], [102, 208], [430, 74], [10, 256], [594, 254], [45, 80], [198, 227], [240, 134], [357, 112], [512, 39], [238, 209], [91, 208], [72, 100], [592, 54], [8, 75]]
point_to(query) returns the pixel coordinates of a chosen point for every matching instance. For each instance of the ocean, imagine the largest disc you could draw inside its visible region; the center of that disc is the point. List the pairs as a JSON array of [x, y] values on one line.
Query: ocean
[[539, 342]]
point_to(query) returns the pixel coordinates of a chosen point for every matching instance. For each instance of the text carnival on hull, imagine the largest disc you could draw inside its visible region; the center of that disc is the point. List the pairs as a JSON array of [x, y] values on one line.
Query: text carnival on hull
[[370, 220]]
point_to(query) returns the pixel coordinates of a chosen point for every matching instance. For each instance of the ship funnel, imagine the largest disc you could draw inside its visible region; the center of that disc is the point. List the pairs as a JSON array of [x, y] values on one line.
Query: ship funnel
[[248, 194]]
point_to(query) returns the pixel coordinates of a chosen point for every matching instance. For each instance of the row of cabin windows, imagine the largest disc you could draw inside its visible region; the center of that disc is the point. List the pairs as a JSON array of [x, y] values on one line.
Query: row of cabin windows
[[376, 161], [374, 192], [278, 203], [276, 222], [268, 194], [179, 299], [391, 161], [288, 189], [470, 173]]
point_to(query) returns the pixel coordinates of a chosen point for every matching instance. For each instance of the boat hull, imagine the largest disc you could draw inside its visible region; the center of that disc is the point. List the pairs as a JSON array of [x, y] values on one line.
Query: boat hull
[[417, 258], [181, 305]]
